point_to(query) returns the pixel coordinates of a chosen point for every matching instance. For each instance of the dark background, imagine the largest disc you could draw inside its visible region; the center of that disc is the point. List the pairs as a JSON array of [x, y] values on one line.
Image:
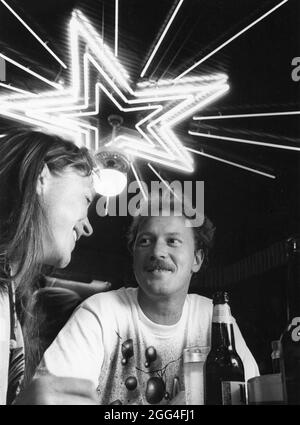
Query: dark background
[[251, 212]]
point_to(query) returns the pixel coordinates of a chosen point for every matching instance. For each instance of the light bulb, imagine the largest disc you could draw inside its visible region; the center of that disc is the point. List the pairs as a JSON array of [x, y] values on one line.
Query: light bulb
[[109, 182]]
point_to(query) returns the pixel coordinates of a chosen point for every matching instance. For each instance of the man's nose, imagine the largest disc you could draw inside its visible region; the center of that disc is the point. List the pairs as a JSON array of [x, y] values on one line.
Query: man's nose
[[159, 250], [87, 229]]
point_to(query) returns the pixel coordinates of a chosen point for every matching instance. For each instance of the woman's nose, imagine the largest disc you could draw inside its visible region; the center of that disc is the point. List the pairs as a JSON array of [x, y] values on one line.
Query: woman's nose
[[87, 229]]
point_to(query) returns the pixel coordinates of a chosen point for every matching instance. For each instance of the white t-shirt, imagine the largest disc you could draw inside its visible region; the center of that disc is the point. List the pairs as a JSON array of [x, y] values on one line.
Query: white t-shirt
[[90, 346]]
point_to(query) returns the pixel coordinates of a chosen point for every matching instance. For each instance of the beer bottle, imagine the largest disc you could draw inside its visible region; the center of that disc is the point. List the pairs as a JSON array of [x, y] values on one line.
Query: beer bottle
[[223, 366], [290, 338]]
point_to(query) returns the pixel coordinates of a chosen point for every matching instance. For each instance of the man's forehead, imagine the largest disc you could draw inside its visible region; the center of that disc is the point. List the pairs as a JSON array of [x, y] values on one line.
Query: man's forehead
[[164, 224]]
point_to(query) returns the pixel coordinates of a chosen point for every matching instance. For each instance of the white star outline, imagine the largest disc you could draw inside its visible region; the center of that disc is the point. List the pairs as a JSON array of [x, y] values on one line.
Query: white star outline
[[62, 110]]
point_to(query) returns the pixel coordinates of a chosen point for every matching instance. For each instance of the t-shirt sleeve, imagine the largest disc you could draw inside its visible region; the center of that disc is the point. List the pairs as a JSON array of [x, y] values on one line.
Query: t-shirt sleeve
[[77, 351], [250, 365]]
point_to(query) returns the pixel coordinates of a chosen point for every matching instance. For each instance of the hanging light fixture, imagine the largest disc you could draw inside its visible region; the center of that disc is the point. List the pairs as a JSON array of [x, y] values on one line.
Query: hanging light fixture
[[113, 164]]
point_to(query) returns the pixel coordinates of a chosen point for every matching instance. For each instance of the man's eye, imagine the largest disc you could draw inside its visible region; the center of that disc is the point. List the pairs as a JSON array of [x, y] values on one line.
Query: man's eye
[[174, 242], [144, 242]]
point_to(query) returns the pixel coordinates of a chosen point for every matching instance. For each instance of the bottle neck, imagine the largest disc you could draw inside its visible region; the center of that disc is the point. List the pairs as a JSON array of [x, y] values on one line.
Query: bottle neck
[[222, 313], [222, 327]]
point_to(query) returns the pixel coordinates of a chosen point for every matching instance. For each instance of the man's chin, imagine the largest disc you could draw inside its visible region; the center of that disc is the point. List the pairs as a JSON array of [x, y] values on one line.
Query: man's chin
[[159, 286]]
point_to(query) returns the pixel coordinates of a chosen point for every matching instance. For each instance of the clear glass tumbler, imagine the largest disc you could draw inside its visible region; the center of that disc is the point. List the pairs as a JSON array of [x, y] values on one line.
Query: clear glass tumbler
[[193, 362]]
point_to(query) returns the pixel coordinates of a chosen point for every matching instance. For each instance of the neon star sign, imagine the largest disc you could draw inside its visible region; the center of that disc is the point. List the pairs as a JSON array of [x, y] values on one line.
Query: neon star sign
[[164, 105]]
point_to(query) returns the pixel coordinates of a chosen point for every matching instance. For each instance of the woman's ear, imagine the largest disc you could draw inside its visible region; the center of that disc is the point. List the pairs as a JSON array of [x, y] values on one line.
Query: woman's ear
[[198, 260], [43, 180]]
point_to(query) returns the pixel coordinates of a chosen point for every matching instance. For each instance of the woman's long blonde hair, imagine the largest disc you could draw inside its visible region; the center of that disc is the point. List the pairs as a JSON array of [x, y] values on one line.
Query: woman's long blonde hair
[[23, 154]]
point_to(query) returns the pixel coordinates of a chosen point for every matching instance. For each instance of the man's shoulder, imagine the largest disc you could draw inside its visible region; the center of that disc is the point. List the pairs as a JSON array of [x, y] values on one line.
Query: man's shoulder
[[200, 300], [198, 304], [113, 310], [117, 297]]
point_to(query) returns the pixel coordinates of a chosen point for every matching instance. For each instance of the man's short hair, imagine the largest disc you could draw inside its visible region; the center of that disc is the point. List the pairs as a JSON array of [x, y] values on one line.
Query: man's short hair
[[203, 234]]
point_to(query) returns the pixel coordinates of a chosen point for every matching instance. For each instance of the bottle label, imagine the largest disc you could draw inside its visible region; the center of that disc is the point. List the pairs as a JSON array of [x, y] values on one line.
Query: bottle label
[[233, 393], [222, 314]]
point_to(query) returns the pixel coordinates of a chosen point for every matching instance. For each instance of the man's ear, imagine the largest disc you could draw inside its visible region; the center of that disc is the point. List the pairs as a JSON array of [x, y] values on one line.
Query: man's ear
[[198, 260], [43, 180]]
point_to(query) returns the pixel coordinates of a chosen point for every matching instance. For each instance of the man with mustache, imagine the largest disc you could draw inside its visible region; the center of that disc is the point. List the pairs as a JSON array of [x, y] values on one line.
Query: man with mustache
[[129, 342]]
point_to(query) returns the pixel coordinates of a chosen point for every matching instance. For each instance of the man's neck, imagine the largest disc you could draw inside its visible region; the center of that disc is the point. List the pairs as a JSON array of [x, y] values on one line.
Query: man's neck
[[164, 311]]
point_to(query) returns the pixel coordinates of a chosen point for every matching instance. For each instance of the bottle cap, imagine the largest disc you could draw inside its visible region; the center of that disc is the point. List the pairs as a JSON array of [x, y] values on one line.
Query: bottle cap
[[220, 297]]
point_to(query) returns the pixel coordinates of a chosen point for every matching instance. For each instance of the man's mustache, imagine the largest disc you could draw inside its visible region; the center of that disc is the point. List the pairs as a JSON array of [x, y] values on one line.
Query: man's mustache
[[159, 264]]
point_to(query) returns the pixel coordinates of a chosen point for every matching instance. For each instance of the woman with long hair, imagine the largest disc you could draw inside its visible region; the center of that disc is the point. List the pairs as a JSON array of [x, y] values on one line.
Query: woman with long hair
[[45, 191]]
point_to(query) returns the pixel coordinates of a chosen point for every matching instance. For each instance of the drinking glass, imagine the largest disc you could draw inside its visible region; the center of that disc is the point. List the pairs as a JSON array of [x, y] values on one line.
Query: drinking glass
[[193, 363]]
